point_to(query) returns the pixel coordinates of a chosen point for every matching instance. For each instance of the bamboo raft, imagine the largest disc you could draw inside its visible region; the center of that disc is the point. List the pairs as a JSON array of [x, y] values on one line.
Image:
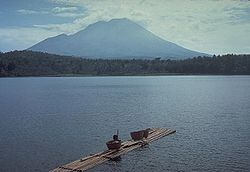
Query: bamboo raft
[[88, 162]]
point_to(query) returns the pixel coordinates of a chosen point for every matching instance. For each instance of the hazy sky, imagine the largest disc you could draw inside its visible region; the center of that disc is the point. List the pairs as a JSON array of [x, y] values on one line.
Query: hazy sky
[[210, 26]]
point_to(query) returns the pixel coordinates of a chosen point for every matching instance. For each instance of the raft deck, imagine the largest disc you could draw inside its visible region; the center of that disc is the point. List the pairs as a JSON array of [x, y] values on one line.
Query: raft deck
[[88, 162]]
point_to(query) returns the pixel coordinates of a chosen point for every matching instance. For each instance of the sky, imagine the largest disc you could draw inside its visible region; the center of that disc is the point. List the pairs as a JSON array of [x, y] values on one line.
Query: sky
[[209, 26]]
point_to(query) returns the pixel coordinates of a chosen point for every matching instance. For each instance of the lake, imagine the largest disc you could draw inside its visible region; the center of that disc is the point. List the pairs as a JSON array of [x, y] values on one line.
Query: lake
[[46, 122]]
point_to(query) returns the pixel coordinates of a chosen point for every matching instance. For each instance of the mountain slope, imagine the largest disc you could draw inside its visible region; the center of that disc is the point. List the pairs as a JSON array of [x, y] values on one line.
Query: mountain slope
[[118, 38]]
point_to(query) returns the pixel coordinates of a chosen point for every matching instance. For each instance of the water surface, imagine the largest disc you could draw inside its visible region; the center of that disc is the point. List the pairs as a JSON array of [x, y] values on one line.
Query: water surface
[[47, 122]]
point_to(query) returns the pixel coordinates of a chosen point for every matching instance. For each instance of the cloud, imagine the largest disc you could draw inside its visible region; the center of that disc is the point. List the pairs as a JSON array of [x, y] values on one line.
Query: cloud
[[27, 12], [208, 26], [66, 28], [72, 12], [191, 23], [69, 12], [64, 9]]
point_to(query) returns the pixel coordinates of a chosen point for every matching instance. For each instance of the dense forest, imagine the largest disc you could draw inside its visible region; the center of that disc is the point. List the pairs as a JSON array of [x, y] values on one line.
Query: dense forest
[[28, 63]]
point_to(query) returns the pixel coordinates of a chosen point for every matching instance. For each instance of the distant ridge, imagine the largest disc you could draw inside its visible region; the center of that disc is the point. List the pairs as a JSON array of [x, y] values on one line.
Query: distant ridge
[[117, 38]]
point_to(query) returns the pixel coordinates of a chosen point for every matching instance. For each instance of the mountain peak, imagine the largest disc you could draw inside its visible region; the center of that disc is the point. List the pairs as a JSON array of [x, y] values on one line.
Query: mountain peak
[[113, 22], [116, 38]]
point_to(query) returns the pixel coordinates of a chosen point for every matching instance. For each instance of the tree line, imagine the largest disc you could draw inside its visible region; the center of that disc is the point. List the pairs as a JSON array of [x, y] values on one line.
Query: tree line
[[28, 63]]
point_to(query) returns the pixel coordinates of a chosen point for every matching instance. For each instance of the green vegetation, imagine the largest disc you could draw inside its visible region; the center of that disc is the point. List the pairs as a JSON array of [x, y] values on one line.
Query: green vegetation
[[28, 63]]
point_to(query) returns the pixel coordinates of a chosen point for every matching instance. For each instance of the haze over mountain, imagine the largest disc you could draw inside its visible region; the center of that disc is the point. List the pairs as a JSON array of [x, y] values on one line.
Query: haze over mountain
[[117, 38]]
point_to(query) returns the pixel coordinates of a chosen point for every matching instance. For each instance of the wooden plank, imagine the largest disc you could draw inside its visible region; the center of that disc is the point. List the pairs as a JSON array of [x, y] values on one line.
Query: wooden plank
[[98, 158]]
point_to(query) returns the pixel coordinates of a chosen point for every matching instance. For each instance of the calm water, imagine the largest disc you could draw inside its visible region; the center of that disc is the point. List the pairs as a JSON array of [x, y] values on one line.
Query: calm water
[[46, 122]]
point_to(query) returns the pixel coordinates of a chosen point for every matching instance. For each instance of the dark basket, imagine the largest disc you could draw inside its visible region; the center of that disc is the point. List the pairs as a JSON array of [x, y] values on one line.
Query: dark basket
[[137, 135], [114, 144]]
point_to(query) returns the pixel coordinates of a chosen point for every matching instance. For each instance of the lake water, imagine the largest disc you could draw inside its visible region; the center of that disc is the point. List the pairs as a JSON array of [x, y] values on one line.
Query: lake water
[[47, 122]]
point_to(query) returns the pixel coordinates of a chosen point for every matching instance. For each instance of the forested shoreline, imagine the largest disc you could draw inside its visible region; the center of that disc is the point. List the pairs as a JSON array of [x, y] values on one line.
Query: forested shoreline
[[28, 63]]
